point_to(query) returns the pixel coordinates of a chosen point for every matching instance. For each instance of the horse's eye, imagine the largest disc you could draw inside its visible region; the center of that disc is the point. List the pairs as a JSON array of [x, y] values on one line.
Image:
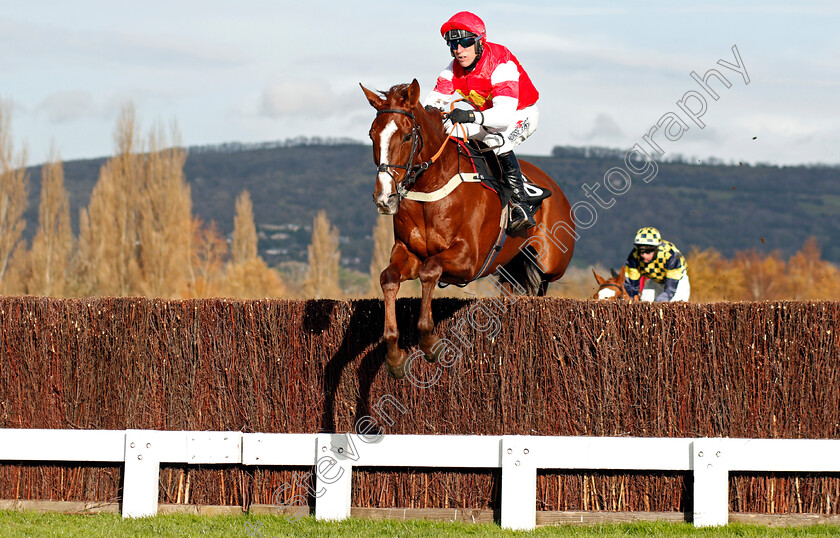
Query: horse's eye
[[407, 137]]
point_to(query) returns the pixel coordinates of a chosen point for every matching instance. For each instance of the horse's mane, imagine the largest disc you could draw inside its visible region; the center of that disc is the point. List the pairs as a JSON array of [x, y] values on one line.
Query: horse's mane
[[397, 96]]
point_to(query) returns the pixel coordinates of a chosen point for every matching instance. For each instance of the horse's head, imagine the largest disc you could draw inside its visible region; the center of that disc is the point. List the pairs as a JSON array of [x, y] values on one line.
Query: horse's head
[[611, 288], [397, 142]]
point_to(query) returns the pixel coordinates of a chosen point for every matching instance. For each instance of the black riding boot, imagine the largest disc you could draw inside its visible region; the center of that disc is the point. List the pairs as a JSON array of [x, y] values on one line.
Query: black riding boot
[[521, 217]]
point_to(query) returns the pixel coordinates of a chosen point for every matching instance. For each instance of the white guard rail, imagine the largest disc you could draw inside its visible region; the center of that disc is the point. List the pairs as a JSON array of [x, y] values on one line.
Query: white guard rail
[[334, 455]]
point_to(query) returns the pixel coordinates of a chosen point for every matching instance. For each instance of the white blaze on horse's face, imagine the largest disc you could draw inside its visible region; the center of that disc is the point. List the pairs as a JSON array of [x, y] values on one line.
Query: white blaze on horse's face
[[386, 187], [606, 293]]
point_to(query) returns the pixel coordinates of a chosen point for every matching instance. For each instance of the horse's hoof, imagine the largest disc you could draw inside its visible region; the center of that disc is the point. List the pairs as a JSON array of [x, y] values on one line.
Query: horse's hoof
[[427, 345], [396, 371]]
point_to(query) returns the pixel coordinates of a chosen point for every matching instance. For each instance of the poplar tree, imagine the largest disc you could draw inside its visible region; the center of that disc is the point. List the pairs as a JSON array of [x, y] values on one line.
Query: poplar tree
[[248, 276], [49, 258], [14, 187], [383, 242], [108, 228], [244, 244], [322, 278], [135, 238], [164, 212]]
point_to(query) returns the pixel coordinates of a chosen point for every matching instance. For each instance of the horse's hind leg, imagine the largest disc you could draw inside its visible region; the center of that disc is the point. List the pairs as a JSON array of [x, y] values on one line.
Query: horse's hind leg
[[403, 266], [543, 289]]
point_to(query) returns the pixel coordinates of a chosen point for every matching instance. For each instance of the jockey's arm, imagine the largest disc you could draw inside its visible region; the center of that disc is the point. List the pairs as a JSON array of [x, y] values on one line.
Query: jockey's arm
[[632, 277], [505, 83], [500, 115], [667, 294], [443, 94], [673, 272]]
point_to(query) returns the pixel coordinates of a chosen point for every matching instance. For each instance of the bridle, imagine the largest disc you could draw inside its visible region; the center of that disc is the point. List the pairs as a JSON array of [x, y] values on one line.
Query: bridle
[[618, 287], [412, 171]]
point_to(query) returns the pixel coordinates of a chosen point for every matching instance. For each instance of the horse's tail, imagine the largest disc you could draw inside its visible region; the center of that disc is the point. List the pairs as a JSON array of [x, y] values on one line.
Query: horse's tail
[[533, 278], [526, 274]]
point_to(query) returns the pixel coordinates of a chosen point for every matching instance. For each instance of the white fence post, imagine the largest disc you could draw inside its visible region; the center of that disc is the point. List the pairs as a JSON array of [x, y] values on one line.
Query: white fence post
[[519, 483], [711, 482], [142, 469], [333, 476]]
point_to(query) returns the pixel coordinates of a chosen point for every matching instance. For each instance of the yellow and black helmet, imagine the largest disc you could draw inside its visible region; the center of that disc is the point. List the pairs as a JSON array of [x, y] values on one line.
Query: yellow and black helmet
[[648, 236]]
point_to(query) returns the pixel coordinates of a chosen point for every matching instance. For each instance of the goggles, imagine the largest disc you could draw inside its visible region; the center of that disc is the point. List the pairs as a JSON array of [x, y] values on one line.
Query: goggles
[[465, 42], [646, 250]]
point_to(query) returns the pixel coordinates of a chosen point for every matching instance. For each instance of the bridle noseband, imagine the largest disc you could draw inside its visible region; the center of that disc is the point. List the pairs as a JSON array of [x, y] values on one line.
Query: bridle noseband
[[619, 288], [412, 172]]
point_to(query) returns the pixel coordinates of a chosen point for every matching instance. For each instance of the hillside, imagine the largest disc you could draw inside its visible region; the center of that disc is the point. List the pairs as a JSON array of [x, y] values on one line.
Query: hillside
[[730, 208]]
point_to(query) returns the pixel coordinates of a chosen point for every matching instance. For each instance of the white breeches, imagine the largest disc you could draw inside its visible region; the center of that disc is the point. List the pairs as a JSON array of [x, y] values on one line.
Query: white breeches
[[652, 290]]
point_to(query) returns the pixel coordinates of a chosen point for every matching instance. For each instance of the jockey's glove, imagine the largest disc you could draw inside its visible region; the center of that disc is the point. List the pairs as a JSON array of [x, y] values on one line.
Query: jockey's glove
[[464, 116]]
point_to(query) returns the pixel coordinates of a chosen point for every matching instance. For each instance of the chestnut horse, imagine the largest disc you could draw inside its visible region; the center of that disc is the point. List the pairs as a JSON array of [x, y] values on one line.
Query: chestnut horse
[[449, 235], [611, 288]]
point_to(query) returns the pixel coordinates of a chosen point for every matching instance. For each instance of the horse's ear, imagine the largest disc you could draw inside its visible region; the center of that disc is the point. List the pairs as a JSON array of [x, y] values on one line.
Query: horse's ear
[[373, 98], [621, 274], [598, 278], [413, 96]]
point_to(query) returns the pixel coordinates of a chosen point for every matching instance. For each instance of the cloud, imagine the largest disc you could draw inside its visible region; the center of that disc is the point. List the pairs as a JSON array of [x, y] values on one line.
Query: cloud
[[604, 129], [297, 98], [66, 106]]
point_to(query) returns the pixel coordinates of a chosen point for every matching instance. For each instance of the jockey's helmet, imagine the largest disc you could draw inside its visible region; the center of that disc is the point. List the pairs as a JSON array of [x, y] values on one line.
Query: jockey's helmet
[[648, 236], [463, 25]]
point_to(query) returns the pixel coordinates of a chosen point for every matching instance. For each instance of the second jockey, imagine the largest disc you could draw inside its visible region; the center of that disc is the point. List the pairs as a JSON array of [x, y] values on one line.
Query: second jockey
[[490, 77]]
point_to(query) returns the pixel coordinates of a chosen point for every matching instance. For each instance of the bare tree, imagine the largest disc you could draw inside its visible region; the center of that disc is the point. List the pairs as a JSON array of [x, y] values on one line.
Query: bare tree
[[208, 258]]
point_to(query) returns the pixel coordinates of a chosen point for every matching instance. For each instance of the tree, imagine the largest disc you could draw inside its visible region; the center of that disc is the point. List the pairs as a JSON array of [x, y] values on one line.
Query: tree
[[383, 242], [809, 276], [247, 275], [244, 245], [136, 235], [253, 279], [208, 257], [52, 246], [322, 277], [108, 238], [164, 212], [14, 187], [761, 274]]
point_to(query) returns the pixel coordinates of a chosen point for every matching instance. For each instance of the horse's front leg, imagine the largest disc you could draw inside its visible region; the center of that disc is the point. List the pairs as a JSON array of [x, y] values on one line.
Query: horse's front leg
[[429, 276], [404, 266]]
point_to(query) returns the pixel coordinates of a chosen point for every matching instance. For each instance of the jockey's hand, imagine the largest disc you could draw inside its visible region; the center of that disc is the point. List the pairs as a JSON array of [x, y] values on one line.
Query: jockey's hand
[[462, 116], [430, 108]]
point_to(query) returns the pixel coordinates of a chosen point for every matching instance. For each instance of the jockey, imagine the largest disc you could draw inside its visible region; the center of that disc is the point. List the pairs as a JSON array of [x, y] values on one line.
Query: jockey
[[491, 78], [661, 263]]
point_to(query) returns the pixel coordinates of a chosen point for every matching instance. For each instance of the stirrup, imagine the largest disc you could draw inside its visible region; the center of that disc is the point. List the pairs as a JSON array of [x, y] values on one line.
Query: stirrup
[[520, 219]]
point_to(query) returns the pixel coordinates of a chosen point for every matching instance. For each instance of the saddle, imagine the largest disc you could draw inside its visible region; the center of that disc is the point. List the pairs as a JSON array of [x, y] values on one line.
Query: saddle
[[486, 166]]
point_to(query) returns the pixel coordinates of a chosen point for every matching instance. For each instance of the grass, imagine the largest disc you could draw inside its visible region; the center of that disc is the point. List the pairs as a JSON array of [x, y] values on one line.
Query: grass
[[38, 524]]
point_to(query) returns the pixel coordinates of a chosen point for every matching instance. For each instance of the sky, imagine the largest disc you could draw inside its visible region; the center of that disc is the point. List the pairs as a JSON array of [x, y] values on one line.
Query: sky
[[258, 71]]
